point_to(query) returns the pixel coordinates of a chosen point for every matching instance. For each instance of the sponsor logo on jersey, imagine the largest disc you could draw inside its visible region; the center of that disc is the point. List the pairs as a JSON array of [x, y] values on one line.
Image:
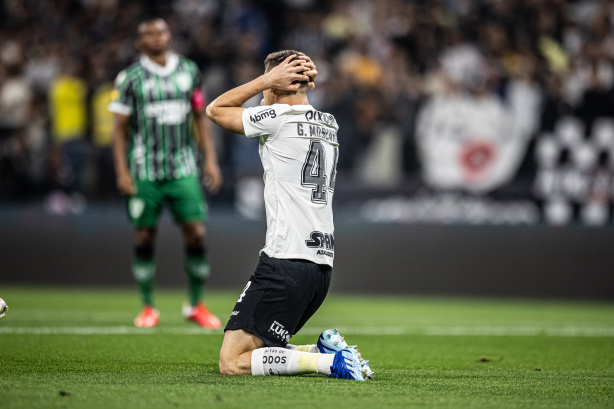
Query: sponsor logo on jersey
[[168, 112], [320, 116], [322, 241], [262, 115], [164, 86], [184, 81], [279, 331], [234, 313]]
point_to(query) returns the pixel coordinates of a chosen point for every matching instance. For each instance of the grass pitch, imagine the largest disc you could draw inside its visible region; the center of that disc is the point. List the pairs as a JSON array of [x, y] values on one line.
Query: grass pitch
[[77, 348]]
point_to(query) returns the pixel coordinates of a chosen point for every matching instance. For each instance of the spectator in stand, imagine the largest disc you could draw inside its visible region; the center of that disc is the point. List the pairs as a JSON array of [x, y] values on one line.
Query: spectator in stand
[[15, 100], [68, 107], [392, 42]]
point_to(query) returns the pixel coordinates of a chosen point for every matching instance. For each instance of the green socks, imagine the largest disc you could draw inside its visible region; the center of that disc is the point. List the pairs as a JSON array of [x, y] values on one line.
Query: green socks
[[196, 266], [144, 270]]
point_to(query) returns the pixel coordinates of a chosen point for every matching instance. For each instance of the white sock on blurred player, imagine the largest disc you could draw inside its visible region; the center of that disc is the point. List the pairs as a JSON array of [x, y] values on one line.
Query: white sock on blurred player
[[282, 361]]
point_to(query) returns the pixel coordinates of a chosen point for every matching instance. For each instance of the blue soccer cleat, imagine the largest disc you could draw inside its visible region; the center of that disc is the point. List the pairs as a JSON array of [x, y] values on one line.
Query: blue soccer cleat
[[346, 365], [367, 373], [331, 341]]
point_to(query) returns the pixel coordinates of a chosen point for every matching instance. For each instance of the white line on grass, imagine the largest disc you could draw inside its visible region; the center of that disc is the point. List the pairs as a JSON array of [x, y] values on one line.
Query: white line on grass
[[431, 331]]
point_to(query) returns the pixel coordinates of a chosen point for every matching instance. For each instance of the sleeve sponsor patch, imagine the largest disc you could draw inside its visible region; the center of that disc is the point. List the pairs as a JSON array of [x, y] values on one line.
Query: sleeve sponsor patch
[[121, 77], [257, 117], [261, 121]]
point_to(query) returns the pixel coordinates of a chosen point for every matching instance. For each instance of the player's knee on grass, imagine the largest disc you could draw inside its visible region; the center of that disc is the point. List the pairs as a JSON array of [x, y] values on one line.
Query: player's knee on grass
[[236, 352], [226, 366], [234, 364]]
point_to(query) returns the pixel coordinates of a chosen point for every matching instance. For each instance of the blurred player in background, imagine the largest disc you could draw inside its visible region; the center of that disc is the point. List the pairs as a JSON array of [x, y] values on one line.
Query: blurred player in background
[[299, 152], [157, 104]]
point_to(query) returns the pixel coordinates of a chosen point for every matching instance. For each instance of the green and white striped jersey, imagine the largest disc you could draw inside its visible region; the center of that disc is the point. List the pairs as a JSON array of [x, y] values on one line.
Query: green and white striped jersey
[[158, 100]]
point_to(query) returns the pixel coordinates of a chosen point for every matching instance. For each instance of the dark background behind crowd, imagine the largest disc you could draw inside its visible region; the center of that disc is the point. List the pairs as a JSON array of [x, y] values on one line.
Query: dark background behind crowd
[[378, 61]]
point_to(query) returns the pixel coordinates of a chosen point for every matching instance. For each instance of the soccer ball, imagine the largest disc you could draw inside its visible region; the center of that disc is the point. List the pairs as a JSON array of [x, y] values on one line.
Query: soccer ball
[[3, 308]]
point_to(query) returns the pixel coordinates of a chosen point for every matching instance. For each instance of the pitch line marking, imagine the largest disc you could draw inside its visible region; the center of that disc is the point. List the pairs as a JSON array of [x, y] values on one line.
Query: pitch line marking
[[569, 331]]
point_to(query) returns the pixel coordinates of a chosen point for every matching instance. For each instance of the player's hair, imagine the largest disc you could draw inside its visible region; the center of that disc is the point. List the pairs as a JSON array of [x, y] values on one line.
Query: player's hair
[[274, 59], [147, 20]]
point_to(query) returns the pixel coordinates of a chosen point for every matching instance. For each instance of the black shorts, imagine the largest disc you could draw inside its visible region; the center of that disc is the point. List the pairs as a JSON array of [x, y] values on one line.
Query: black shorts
[[279, 298]]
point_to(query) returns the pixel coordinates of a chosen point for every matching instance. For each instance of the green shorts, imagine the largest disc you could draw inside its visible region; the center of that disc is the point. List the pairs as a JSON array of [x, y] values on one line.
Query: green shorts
[[184, 198]]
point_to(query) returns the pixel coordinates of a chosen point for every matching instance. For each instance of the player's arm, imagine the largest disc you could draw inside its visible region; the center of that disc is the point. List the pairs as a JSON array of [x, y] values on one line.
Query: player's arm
[[125, 184], [226, 111], [212, 176]]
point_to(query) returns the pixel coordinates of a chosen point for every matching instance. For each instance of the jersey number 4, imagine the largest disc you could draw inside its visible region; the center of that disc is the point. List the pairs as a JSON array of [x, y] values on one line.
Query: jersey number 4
[[313, 174]]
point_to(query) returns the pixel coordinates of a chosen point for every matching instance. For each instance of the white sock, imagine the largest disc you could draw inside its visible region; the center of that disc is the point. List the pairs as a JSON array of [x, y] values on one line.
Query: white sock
[[282, 361], [304, 348]]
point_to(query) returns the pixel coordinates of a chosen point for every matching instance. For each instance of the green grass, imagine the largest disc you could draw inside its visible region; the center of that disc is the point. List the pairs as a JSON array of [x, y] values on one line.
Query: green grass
[[76, 348]]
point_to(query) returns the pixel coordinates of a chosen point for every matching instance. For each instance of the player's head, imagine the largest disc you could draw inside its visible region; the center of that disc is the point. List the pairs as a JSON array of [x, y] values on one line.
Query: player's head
[[274, 59], [153, 37]]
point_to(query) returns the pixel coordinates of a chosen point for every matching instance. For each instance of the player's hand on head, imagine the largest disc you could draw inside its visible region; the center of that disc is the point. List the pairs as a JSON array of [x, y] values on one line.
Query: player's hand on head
[[311, 71], [125, 184], [212, 177], [282, 76]]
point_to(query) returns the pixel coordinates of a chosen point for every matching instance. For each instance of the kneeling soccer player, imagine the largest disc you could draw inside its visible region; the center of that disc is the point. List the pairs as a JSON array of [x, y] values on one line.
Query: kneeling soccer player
[[299, 152]]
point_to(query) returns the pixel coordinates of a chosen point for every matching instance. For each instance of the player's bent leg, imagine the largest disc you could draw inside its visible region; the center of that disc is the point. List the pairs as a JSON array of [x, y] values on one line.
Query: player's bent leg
[[283, 361], [259, 305], [245, 354], [236, 352]]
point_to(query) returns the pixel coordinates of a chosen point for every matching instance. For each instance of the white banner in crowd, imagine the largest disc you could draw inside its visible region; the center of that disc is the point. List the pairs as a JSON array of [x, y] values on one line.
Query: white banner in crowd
[[575, 170], [474, 143]]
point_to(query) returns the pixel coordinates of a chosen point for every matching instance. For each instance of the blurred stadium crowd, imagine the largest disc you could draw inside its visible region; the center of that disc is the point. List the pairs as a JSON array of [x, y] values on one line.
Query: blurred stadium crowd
[[378, 62]]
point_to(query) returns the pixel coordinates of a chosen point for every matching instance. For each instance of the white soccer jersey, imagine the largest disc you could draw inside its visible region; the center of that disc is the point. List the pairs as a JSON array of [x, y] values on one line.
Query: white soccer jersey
[[299, 153]]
